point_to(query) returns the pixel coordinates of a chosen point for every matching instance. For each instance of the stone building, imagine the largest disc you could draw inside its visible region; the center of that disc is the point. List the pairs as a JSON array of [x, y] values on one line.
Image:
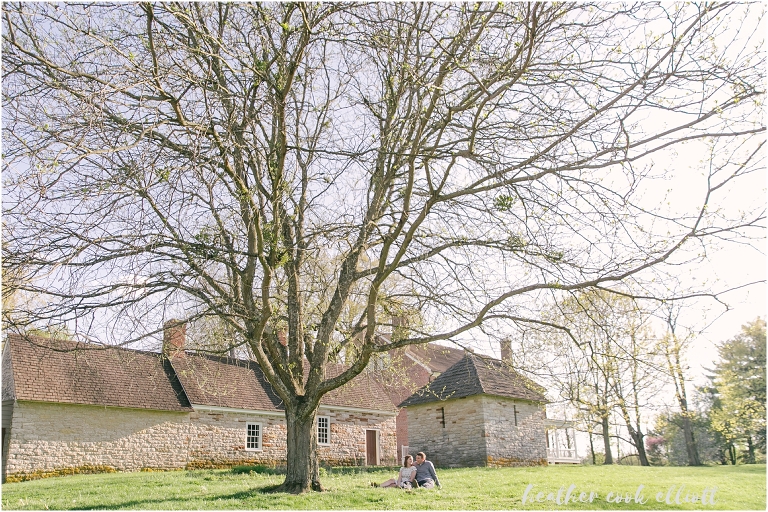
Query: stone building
[[479, 412], [407, 370], [481, 417], [77, 407]]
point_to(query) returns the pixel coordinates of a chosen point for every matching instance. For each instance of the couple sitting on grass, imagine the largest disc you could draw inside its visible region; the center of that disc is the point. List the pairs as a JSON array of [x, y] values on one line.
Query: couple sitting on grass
[[420, 475]]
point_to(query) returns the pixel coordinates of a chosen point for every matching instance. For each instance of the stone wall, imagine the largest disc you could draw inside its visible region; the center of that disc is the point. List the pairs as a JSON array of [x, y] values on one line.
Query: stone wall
[[217, 439], [347, 446], [8, 391], [50, 439], [510, 445], [6, 415], [479, 431], [459, 442], [402, 433]]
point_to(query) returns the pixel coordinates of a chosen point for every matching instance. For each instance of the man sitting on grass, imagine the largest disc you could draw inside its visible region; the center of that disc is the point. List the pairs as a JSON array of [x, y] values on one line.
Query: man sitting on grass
[[425, 472]]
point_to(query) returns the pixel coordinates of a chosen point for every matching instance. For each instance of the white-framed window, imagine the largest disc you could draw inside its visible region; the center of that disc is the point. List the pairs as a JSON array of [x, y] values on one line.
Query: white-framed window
[[252, 437], [323, 430]]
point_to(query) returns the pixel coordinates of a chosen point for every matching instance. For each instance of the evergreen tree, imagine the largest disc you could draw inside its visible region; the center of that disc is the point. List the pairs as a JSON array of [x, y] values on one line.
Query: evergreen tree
[[738, 393]]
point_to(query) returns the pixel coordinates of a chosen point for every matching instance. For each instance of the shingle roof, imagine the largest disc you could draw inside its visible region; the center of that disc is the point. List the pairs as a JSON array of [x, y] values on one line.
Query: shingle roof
[[475, 375], [225, 382], [41, 369], [437, 357], [363, 392], [240, 384], [50, 370]]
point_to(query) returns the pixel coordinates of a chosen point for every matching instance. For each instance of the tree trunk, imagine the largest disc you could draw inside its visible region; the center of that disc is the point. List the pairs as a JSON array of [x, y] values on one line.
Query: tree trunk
[[750, 450], [592, 447], [721, 454], [607, 441], [673, 355], [303, 470], [641, 450], [690, 441], [638, 440], [636, 435]]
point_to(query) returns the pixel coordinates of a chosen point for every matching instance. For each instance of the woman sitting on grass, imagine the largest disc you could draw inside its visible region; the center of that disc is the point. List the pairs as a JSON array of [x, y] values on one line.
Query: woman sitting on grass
[[404, 478]]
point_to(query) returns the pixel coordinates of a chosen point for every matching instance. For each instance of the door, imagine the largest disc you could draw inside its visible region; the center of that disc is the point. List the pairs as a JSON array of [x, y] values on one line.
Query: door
[[372, 447]]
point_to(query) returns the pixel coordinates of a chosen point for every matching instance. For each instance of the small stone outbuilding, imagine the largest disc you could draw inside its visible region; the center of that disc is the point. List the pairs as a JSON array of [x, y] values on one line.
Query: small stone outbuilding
[[479, 412], [407, 370]]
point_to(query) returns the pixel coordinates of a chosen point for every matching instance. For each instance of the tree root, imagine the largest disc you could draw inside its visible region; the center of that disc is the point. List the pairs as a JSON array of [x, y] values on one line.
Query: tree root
[[296, 487]]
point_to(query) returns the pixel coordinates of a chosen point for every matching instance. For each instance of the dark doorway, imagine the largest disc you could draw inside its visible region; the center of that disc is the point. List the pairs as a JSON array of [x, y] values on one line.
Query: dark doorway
[[372, 447]]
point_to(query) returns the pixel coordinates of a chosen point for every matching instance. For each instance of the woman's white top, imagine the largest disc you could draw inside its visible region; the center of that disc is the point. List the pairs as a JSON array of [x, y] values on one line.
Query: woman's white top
[[405, 475]]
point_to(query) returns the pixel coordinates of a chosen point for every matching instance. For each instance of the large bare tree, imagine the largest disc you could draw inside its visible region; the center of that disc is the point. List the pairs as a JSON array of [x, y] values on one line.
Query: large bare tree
[[285, 165]]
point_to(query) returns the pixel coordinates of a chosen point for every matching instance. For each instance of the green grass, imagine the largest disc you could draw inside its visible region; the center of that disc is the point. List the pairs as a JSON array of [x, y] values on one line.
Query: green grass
[[738, 488]]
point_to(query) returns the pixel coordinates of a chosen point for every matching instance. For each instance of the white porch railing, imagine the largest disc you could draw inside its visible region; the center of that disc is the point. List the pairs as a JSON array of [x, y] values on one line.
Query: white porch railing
[[561, 442], [562, 455]]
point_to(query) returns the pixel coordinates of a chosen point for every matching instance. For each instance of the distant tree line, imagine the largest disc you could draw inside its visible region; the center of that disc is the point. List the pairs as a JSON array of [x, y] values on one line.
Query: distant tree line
[[629, 389], [729, 425]]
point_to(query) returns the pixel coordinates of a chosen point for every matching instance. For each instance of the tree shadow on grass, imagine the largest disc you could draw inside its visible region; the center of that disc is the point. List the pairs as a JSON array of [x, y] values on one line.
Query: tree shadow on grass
[[162, 503], [268, 489]]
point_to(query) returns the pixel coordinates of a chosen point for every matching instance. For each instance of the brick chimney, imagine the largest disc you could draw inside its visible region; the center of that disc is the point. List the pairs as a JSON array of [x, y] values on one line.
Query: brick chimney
[[399, 321], [399, 327], [174, 338], [506, 349]]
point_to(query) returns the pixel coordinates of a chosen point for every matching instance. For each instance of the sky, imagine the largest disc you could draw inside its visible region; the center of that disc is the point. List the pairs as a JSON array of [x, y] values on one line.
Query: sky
[[728, 266]]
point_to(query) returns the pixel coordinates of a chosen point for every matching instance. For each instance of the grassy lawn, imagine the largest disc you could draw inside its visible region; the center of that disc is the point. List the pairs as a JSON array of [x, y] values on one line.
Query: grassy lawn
[[728, 487]]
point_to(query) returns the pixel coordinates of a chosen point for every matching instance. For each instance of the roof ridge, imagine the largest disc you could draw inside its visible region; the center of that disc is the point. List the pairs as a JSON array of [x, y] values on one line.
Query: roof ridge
[[104, 346], [226, 359], [7, 373], [40, 341], [473, 359]]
